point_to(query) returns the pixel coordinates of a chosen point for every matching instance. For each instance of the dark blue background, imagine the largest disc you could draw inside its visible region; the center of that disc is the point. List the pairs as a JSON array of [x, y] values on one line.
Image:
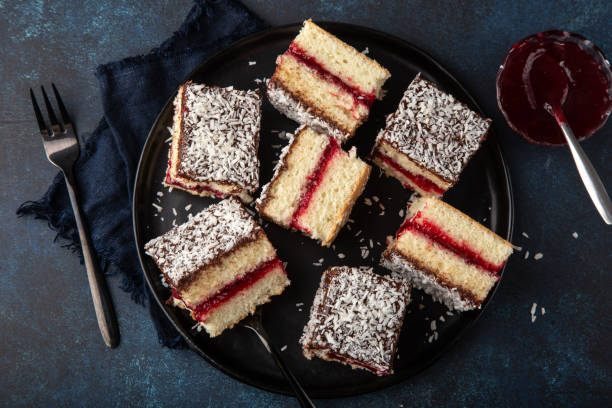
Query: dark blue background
[[51, 350]]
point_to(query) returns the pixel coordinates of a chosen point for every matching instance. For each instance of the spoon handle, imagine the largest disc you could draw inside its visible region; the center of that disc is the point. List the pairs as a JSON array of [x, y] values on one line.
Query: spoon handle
[[589, 176]]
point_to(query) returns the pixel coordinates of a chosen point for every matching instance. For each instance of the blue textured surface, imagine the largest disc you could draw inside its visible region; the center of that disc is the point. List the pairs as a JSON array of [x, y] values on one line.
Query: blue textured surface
[[52, 353]]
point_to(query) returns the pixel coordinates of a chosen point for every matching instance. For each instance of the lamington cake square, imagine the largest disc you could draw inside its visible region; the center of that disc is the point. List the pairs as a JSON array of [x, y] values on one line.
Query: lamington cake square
[[314, 186], [447, 254], [215, 138], [326, 84], [356, 318], [219, 264], [429, 139]]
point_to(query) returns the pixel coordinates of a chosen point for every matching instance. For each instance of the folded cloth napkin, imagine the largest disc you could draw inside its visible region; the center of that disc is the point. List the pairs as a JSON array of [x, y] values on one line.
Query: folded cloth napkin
[[134, 90]]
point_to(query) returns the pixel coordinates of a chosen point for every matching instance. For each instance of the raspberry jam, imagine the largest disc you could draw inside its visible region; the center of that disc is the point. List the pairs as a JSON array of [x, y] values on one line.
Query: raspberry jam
[[201, 312], [423, 183], [312, 182], [588, 101], [439, 236], [359, 96]]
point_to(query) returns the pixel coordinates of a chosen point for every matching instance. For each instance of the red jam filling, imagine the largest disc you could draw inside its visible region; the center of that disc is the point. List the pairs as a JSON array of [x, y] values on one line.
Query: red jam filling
[[201, 312], [370, 367], [421, 182], [359, 97], [589, 80], [312, 183], [437, 234], [198, 189]]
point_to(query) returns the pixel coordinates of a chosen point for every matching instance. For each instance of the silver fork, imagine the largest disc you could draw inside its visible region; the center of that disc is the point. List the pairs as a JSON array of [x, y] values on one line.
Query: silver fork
[[62, 150], [254, 322]]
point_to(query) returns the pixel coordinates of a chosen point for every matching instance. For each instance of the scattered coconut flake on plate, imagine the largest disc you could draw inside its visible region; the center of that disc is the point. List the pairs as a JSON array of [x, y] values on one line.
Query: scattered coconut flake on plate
[[575, 235], [543, 311], [251, 63], [538, 256], [534, 306], [188, 207], [524, 234], [401, 213], [283, 348], [159, 208], [174, 212], [375, 198], [366, 51], [367, 201], [341, 255], [161, 194], [168, 140], [526, 255]]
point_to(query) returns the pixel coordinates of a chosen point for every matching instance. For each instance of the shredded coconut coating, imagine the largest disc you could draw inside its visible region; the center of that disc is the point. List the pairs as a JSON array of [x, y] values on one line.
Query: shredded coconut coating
[[434, 129], [211, 233], [221, 135], [358, 315]]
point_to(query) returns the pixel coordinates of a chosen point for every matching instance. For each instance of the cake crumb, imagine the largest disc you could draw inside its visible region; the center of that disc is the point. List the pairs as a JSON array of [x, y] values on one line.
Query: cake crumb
[[381, 214], [401, 213], [159, 208], [538, 256], [375, 198], [283, 348], [526, 255], [366, 51], [421, 306], [389, 239], [575, 235], [524, 234], [251, 63]]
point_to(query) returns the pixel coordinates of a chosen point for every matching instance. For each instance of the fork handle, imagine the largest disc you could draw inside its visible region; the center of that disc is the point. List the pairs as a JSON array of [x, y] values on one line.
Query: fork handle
[[102, 301]]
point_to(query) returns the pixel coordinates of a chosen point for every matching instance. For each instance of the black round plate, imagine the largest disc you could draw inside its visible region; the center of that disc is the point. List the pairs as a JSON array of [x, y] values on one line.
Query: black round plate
[[483, 192]]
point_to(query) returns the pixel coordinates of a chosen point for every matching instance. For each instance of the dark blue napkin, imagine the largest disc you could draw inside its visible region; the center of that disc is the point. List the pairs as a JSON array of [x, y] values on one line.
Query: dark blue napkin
[[134, 90]]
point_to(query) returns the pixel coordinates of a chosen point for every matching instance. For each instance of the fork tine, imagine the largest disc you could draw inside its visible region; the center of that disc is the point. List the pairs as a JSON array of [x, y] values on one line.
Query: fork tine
[[55, 125], [62, 108], [39, 117]]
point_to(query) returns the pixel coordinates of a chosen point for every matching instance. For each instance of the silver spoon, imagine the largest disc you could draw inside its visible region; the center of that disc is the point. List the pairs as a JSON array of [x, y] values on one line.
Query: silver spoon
[[553, 98]]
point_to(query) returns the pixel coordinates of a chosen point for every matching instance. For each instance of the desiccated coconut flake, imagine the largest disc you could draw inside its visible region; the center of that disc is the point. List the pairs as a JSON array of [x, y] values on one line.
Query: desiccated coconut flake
[[283, 348], [538, 256], [575, 235], [157, 207], [251, 63], [524, 234]]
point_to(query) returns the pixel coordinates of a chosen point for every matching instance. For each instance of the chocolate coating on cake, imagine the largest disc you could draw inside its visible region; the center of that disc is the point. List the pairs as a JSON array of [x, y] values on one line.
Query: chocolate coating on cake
[[220, 135], [187, 248], [434, 130], [357, 316]]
